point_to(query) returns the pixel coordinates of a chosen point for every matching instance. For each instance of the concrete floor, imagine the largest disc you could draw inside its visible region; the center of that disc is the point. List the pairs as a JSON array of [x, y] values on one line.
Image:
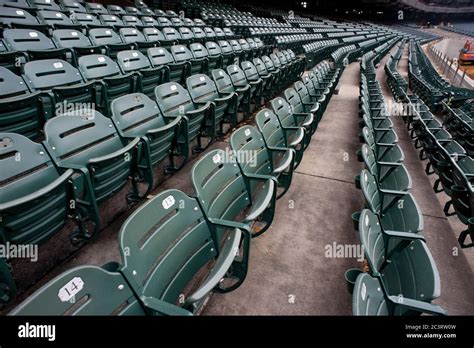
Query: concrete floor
[[289, 272]]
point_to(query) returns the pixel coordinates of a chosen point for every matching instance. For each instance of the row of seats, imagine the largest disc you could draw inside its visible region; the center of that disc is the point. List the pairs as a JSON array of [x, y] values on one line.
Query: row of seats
[[235, 201], [447, 158], [29, 100], [395, 81], [402, 278], [84, 150], [458, 120]]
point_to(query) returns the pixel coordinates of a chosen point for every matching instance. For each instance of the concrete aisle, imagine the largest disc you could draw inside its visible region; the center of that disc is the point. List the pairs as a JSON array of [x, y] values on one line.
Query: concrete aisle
[[289, 272], [457, 282]]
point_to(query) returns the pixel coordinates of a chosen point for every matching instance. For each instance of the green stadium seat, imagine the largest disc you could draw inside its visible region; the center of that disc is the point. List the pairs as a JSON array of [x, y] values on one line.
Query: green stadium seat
[[148, 76], [277, 136], [229, 196], [110, 39], [182, 54], [397, 210], [87, 142], [109, 81], [255, 157], [224, 107], [287, 119], [304, 113], [174, 71], [239, 80], [225, 86], [174, 101], [383, 152]]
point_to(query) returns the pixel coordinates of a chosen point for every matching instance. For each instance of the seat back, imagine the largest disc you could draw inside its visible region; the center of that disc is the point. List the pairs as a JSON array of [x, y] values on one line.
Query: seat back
[[181, 53], [135, 114], [294, 100], [186, 33], [198, 50], [235, 46], [115, 9], [302, 91], [284, 112], [164, 244], [225, 47], [22, 40], [369, 159], [95, 8], [131, 35], [201, 88], [132, 60], [173, 99], [72, 6], [45, 5], [110, 20], [370, 190], [54, 18], [220, 186], [199, 33], [10, 16], [268, 63], [87, 19], [268, 124], [171, 34], [223, 81], [213, 49], [27, 169], [153, 34], [250, 71], [237, 76], [250, 151], [46, 74], [70, 38], [260, 66], [84, 290], [104, 36], [132, 21], [98, 66], [11, 85], [149, 21]]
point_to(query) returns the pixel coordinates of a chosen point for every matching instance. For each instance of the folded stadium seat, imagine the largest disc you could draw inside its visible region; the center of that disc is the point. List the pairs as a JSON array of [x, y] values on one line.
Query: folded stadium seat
[[115, 10], [292, 66], [275, 136], [87, 21], [136, 115], [76, 42], [224, 106], [135, 36], [21, 110], [32, 44], [305, 112], [61, 85], [176, 22], [462, 197], [199, 34], [182, 54], [283, 110], [174, 71], [188, 22], [300, 60], [160, 13], [45, 5], [252, 76], [316, 93], [220, 35], [100, 291], [286, 69], [383, 152], [148, 76], [71, 6], [147, 12], [153, 35], [34, 201], [184, 244], [268, 79], [131, 10], [256, 52], [247, 51], [200, 52], [214, 57], [171, 13], [229, 34], [318, 88], [111, 21], [174, 101], [276, 69], [389, 176], [172, 35], [187, 36], [149, 21], [228, 55], [229, 196], [237, 49], [198, 22], [8, 59], [132, 21], [239, 80], [17, 18], [317, 105], [210, 34], [404, 281], [397, 210], [110, 39], [56, 20], [381, 135], [256, 158], [95, 8], [109, 81], [87, 142], [163, 22]]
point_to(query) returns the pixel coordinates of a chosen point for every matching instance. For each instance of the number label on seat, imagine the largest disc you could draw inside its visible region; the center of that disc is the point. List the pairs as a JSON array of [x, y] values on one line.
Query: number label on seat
[[168, 202], [68, 291]]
